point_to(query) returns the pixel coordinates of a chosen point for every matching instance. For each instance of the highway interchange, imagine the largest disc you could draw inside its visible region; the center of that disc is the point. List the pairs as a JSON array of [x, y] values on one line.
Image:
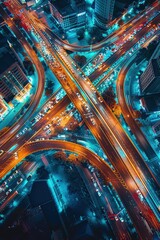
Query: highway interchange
[[123, 155]]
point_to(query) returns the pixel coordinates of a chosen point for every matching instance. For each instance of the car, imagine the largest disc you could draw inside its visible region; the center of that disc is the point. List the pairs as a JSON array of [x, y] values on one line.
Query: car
[[10, 178], [9, 191], [48, 132], [29, 177], [100, 99], [93, 89], [4, 185], [87, 107], [116, 218], [93, 180], [45, 128], [99, 194], [18, 135], [1, 152], [79, 96], [139, 194], [121, 219], [93, 121], [19, 181], [15, 172]]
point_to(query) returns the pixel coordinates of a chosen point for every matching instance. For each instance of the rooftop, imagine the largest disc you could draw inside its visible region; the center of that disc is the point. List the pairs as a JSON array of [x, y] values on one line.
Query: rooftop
[[63, 7], [6, 60]]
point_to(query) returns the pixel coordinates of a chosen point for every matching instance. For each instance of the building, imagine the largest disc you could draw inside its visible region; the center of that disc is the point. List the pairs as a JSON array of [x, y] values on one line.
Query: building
[[151, 102], [80, 7], [103, 12], [41, 196], [68, 14], [82, 231], [29, 2], [156, 128], [3, 107], [13, 79], [150, 79]]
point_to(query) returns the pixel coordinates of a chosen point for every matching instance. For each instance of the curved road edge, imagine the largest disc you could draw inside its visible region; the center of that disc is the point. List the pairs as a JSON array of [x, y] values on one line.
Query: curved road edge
[[108, 174], [40, 86]]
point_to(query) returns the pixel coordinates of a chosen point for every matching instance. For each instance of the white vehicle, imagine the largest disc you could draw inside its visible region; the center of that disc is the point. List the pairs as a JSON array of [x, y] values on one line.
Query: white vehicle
[[100, 99], [93, 121], [10, 178], [19, 181], [9, 191], [15, 172], [1, 152], [121, 219], [99, 194]]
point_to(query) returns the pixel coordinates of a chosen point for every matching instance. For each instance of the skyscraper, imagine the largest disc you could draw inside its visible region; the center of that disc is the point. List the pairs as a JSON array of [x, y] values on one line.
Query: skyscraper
[[103, 12], [68, 14], [12, 78], [150, 79]]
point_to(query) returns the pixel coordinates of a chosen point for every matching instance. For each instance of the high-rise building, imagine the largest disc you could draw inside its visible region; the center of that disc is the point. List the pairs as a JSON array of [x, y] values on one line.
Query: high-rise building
[[79, 7], [69, 14], [103, 12], [150, 79], [156, 128], [151, 102], [12, 78]]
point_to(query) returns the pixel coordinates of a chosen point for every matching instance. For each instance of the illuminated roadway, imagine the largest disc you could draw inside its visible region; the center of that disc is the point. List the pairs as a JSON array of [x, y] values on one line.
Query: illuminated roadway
[[121, 136], [40, 85], [115, 35], [102, 166], [104, 67], [15, 127], [100, 134], [6, 162], [127, 113]]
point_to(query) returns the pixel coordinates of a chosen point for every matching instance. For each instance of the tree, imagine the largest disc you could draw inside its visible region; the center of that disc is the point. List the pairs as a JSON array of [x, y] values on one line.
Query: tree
[[28, 65], [109, 97], [117, 110], [80, 60], [2, 131], [72, 158], [42, 173], [46, 9], [48, 92], [96, 35], [60, 155], [80, 33], [50, 84]]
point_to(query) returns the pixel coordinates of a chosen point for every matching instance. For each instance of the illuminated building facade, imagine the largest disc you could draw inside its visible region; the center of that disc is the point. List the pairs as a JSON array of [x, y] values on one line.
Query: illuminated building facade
[[156, 128], [69, 14], [13, 79], [150, 79], [103, 12], [3, 106]]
